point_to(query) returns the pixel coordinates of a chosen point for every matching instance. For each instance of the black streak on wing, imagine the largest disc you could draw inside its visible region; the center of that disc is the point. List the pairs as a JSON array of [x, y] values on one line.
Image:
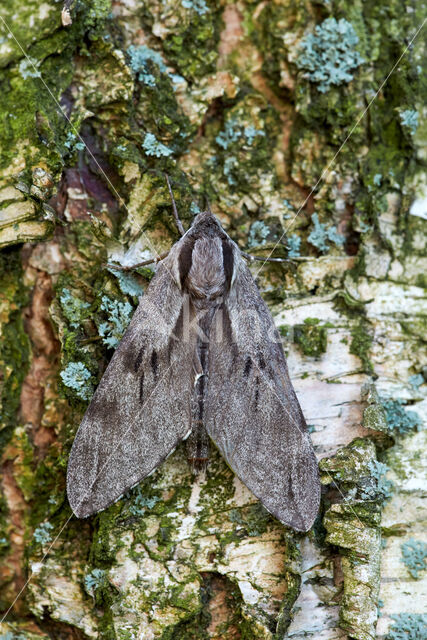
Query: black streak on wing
[[141, 388], [138, 360], [184, 260], [155, 364], [228, 262]]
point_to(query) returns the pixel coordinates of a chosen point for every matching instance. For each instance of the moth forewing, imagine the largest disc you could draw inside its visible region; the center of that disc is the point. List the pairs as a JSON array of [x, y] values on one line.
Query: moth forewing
[[201, 356]]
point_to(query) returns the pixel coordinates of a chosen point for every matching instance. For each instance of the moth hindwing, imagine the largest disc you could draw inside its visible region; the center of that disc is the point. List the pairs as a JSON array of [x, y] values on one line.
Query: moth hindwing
[[200, 358]]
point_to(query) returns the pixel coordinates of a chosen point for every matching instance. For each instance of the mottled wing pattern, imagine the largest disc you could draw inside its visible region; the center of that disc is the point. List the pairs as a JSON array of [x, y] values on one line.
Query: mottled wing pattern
[[252, 413], [141, 408]]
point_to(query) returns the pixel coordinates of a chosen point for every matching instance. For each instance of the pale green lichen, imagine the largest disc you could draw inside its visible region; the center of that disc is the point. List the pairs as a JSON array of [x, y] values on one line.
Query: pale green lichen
[[414, 554], [199, 6], [74, 309], [95, 579], [139, 502], [258, 234], [400, 420], [416, 380], [153, 147], [329, 56], [294, 245], [143, 61], [233, 131], [127, 283], [119, 315], [76, 376], [409, 118], [321, 235], [383, 488], [408, 626], [42, 535]]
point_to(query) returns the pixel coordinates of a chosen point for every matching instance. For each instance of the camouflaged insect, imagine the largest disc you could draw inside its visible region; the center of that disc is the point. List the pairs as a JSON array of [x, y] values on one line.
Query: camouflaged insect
[[201, 360]]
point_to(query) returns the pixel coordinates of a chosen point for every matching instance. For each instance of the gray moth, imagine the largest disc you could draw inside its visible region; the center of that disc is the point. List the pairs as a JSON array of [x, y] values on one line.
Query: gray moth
[[201, 361]]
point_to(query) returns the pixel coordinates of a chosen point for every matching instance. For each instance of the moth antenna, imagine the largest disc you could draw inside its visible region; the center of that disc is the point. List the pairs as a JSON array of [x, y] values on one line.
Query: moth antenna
[[208, 206], [175, 210], [119, 267]]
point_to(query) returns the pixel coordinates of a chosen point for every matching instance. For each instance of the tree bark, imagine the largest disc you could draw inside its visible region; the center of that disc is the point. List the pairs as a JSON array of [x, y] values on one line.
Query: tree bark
[[277, 115]]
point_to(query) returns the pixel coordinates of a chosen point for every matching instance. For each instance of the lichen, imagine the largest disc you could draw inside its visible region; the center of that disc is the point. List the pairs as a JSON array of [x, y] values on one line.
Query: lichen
[[142, 59], [74, 309], [409, 118], [383, 488], [258, 234], [311, 337], [414, 554], [408, 626], [76, 376], [400, 420], [42, 535], [329, 56], [234, 131], [119, 315], [127, 283], [95, 579], [294, 246], [153, 147], [321, 235], [199, 6]]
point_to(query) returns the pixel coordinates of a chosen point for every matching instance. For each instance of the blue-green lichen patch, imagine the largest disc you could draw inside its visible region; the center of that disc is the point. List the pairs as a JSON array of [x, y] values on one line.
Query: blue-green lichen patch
[[74, 309], [43, 533], [128, 284], [329, 56], [399, 419], [153, 147], [118, 318], [322, 236], [77, 377], [409, 119], [145, 62], [414, 554], [408, 626]]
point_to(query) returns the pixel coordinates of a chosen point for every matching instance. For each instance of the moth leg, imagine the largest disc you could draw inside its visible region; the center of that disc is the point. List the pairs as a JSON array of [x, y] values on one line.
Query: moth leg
[[119, 267], [175, 210], [251, 258]]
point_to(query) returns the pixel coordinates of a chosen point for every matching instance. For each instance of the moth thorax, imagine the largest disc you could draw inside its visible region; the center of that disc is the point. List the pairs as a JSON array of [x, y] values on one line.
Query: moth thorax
[[206, 278]]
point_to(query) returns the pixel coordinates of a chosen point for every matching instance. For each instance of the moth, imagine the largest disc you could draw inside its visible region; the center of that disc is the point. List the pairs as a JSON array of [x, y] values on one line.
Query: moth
[[201, 361]]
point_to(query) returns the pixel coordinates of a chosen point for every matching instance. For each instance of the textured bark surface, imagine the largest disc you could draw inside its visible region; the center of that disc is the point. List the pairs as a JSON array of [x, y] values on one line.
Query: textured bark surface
[[244, 105]]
